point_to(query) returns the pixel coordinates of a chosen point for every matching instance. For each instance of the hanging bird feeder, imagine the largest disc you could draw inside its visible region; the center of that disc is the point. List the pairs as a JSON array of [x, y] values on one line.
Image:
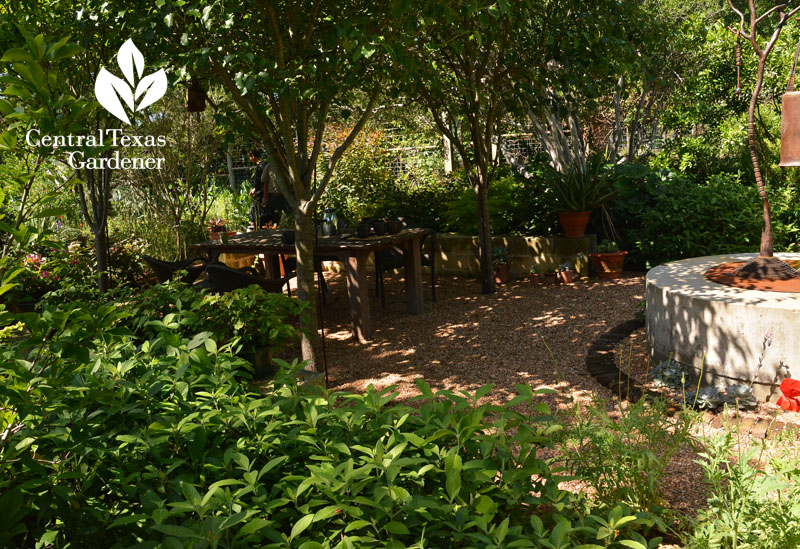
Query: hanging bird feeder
[[195, 97]]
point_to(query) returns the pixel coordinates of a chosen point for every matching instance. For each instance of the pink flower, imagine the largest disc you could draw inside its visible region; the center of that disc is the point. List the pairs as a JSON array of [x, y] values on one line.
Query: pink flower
[[45, 274]]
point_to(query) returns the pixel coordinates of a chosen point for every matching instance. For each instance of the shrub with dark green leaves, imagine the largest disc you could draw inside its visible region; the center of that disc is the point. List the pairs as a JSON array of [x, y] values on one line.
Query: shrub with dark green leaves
[[661, 216], [116, 442], [516, 206]]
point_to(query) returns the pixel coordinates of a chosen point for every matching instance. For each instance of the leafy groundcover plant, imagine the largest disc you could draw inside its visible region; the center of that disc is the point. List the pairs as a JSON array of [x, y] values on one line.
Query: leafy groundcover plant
[[112, 440], [754, 499]]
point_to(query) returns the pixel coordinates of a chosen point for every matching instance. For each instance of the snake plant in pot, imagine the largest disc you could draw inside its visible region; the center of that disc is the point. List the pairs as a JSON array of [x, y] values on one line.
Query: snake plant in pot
[[582, 188]]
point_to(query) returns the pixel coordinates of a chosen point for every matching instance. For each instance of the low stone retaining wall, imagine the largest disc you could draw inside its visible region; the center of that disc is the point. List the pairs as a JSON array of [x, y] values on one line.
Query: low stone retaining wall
[[458, 254]]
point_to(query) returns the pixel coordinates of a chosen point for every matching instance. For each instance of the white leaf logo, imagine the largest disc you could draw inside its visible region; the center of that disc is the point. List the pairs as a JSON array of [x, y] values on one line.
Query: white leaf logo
[[114, 93]]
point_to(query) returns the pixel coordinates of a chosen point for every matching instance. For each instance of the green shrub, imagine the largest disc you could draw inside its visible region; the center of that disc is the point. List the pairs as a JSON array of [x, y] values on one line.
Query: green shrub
[[784, 197], [112, 441], [362, 182], [623, 459], [516, 206], [663, 217], [749, 506], [253, 316]]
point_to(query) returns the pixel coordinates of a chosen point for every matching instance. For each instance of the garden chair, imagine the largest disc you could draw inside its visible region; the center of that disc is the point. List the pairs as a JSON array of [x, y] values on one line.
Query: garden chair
[[166, 270], [392, 258], [290, 265], [222, 278]]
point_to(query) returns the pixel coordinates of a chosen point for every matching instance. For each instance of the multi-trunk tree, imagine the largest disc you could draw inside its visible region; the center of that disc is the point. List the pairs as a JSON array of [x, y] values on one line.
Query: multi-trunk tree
[[290, 67], [462, 72]]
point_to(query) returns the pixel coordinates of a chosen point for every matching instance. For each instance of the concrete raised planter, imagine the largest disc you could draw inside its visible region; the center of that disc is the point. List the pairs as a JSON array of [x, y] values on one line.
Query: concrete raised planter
[[458, 253], [720, 329]]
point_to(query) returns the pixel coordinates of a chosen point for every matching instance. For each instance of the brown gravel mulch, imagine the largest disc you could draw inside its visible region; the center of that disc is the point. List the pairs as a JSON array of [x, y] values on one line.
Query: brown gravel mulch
[[466, 339]]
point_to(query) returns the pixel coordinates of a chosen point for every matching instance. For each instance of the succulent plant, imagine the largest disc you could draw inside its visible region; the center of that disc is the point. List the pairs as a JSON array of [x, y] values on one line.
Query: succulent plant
[[740, 395], [707, 398], [607, 247], [566, 266], [668, 373], [499, 255]]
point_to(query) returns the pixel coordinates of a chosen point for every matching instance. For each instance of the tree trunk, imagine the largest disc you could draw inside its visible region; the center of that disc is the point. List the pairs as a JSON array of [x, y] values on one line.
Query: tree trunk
[[484, 235], [101, 253], [304, 249], [766, 230]]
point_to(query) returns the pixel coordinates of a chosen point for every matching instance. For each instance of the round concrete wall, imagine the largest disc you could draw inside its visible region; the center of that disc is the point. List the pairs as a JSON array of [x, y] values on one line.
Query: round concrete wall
[[719, 330]]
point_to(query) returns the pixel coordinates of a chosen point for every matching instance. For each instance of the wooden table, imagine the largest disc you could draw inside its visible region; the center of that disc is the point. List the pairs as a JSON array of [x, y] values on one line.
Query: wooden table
[[353, 252]]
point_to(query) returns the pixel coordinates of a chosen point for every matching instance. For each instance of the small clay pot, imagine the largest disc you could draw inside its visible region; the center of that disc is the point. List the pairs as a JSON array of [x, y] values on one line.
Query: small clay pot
[[394, 227], [363, 230], [288, 237], [379, 227], [535, 278], [502, 274], [566, 277], [550, 278]]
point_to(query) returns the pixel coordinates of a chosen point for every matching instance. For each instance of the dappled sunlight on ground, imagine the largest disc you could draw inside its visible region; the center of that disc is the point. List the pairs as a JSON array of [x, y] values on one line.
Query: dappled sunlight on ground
[[467, 339]]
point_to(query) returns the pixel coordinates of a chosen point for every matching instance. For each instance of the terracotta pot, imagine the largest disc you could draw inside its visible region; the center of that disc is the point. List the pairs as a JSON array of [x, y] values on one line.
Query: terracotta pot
[[535, 278], [566, 277], [550, 278], [574, 223], [502, 274], [608, 265]]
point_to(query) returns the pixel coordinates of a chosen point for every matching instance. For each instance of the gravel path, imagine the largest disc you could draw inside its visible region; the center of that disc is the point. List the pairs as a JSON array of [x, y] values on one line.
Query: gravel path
[[466, 339]]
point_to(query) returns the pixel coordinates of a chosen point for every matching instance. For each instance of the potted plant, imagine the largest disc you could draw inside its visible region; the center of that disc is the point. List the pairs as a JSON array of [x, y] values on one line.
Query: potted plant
[[608, 260], [566, 272], [550, 276], [583, 188], [217, 228], [534, 276], [502, 273]]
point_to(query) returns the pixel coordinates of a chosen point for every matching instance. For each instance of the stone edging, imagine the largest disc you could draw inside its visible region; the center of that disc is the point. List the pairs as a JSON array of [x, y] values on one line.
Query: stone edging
[[601, 364]]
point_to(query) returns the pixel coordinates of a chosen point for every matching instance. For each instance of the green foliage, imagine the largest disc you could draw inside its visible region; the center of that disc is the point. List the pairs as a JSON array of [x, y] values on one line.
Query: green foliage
[[624, 458], [252, 316], [663, 217], [499, 256], [361, 185], [516, 206], [754, 499], [784, 193], [582, 189], [159, 442], [607, 247]]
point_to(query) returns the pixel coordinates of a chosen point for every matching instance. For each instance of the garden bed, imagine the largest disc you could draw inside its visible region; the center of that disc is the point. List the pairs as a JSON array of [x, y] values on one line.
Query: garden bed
[[467, 339]]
